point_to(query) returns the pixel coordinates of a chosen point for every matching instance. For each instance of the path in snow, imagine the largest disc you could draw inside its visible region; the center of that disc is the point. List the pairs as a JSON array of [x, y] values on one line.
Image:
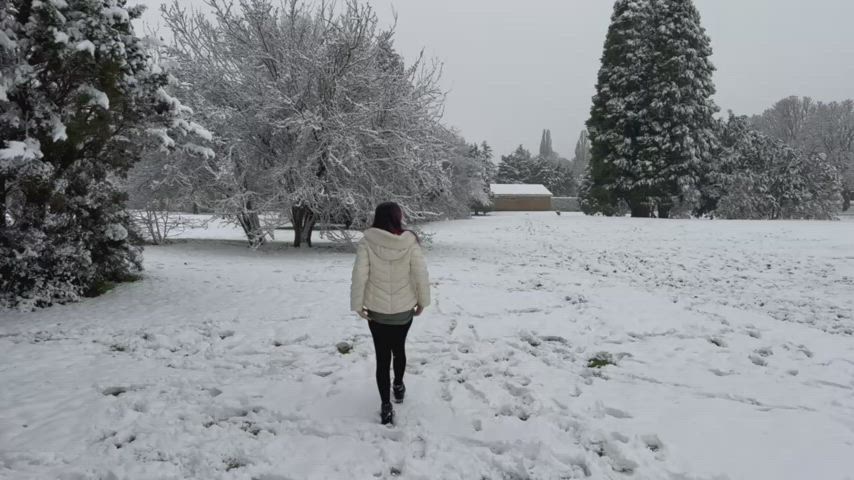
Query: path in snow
[[731, 341]]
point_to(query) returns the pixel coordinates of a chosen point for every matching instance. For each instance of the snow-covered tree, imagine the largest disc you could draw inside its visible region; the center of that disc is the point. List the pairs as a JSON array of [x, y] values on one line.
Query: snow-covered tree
[[470, 173], [521, 167], [834, 130], [651, 126], [582, 155], [484, 174], [516, 167], [317, 115], [759, 177], [158, 193], [680, 134], [81, 100], [789, 120], [617, 124], [546, 148]]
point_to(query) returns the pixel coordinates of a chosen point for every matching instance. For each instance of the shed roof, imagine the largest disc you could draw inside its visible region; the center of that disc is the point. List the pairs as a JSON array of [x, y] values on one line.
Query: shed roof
[[520, 190]]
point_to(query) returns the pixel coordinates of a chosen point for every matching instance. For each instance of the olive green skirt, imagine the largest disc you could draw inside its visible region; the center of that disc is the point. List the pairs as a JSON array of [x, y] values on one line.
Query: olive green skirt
[[401, 318]]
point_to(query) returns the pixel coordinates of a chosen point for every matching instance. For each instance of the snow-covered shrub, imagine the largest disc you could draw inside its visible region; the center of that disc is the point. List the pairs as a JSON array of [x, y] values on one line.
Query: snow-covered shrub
[[79, 94], [160, 221], [482, 205], [158, 191], [758, 177], [815, 128]]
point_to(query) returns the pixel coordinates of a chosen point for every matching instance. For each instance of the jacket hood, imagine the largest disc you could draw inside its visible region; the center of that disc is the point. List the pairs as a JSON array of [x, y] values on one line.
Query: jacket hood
[[389, 246]]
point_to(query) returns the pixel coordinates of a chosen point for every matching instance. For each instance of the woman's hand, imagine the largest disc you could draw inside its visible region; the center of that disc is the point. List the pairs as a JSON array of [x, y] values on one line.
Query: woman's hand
[[364, 314], [419, 310]]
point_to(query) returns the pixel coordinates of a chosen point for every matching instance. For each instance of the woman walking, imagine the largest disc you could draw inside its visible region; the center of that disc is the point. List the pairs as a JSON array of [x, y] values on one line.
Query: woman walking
[[390, 287]]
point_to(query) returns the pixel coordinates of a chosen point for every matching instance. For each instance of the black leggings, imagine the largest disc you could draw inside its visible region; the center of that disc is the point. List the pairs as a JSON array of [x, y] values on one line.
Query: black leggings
[[389, 340]]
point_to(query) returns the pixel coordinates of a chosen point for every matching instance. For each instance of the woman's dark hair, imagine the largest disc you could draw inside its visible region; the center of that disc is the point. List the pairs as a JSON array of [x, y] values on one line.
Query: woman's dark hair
[[389, 217]]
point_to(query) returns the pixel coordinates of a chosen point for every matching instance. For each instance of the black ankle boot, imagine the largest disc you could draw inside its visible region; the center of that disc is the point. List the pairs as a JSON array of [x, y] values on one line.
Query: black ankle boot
[[399, 391], [386, 414]]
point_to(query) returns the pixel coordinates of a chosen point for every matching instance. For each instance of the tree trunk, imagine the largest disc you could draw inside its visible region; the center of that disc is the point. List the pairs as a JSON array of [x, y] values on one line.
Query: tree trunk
[[296, 221], [664, 209], [303, 220], [847, 196], [251, 224], [640, 209], [2, 201]]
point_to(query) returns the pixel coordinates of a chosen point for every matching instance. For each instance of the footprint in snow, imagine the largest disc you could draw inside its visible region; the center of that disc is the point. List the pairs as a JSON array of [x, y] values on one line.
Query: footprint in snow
[[614, 456], [452, 326], [419, 447], [764, 352], [653, 444], [758, 360], [114, 391], [617, 413]]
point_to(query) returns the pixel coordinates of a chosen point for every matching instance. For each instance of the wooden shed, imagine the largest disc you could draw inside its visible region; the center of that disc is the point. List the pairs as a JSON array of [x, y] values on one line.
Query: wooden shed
[[521, 198]]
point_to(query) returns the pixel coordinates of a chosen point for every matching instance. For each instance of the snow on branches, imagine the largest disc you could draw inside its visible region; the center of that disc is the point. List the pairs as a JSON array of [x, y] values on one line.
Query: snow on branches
[[651, 126], [759, 177], [316, 116], [81, 95]]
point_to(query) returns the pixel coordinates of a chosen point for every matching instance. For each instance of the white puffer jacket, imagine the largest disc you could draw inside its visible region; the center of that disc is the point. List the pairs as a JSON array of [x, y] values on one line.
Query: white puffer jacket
[[390, 274]]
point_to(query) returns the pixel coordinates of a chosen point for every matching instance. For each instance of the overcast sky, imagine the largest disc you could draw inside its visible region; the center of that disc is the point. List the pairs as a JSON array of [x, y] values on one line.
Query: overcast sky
[[515, 67]]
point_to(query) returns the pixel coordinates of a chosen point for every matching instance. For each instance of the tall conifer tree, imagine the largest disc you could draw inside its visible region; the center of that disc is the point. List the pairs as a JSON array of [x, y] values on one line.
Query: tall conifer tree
[[651, 126]]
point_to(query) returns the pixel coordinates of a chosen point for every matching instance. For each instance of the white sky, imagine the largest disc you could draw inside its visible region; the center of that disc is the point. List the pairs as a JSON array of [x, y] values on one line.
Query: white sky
[[515, 67]]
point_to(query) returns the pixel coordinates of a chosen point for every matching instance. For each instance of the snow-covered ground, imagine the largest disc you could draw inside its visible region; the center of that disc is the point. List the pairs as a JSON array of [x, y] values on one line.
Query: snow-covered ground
[[732, 344]]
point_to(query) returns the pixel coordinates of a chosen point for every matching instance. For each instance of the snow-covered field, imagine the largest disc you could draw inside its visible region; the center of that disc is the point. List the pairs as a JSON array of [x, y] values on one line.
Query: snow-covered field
[[732, 344]]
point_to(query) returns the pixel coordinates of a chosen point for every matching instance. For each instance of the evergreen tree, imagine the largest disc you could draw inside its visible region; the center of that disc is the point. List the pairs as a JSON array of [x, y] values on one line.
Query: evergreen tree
[[680, 109], [488, 168], [561, 181], [616, 125], [516, 167], [651, 126], [81, 98], [582, 154], [546, 148]]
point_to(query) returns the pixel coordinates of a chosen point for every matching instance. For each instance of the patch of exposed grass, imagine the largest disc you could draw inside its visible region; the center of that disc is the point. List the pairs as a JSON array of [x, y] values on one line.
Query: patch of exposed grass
[[601, 360], [233, 464], [102, 287]]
